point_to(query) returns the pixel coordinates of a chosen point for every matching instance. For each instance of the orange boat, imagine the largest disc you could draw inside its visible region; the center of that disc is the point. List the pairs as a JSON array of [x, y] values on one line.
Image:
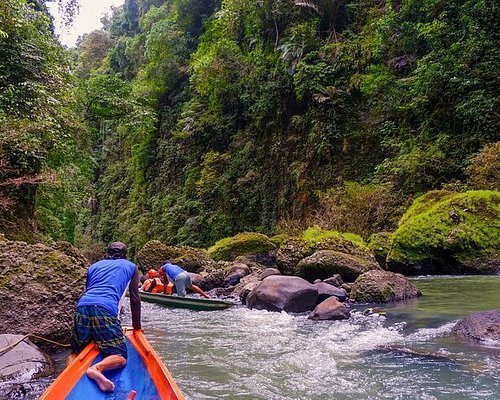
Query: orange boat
[[144, 376]]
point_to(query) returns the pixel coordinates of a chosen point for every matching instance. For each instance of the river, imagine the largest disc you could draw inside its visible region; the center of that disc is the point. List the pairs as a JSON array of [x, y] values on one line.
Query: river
[[400, 351]]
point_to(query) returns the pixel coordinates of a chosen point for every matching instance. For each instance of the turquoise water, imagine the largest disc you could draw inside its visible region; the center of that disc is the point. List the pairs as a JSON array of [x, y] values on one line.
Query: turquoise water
[[405, 353]]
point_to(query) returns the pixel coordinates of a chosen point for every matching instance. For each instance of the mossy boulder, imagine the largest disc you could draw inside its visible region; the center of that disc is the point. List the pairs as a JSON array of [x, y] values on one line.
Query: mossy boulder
[[45, 284], [325, 263], [153, 255], [314, 239], [380, 245], [241, 244], [446, 232], [192, 259], [379, 286]]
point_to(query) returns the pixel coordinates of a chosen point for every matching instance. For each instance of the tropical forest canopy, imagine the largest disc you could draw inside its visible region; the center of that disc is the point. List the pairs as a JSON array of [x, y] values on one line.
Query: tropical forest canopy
[[192, 120]]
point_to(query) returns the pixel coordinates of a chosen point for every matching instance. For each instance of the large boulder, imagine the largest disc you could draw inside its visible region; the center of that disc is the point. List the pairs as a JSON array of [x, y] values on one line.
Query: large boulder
[[246, 243], [325, 263], [482, 327], [42, 282], [154, 254], [283, 293], [326, 290], [293, 250], [379, 286], [22, 359], [447, 233], [192, 259], [330, 309], [234, 274]]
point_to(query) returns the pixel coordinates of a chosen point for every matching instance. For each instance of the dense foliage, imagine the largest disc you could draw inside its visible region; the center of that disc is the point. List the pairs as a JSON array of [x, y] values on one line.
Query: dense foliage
[[208, 118], [43, 166]]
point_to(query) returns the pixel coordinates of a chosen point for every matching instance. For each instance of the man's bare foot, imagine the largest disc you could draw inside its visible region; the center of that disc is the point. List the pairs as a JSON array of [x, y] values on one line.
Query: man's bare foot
[[104, 383]]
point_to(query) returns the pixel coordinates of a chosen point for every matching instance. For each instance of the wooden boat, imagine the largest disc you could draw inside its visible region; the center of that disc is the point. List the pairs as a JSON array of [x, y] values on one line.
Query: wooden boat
[[144, 376], [191, 303]]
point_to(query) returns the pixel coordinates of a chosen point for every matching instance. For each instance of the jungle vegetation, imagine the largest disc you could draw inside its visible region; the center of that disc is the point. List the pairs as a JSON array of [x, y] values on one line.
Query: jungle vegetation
[[188, 121]]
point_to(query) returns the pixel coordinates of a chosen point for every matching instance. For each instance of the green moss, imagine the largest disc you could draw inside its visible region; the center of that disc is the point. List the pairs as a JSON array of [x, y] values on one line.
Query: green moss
[[241, 244], [316, 236], [428, 230], [279, 239]]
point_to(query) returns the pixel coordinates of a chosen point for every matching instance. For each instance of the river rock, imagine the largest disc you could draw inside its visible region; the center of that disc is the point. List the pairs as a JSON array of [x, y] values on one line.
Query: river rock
[[379, 286], [245, 243], [269, 272], [154, 254], [192, 259], [324, 263], [330, 309], [325, 291], [39, 290], [283, 293], [24, 360], [335, 280], [483, 327], [235, 273]]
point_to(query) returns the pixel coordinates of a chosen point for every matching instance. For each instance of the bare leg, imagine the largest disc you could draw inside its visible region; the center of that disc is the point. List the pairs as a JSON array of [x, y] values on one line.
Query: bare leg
[[198, 290], [95, 371], [71, 358]]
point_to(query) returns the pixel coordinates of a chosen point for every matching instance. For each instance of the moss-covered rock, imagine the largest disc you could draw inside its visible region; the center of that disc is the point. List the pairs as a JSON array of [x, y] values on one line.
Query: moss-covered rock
[[380, 245], [325, 263], [241, 244], [379, 286], [154, 254], [447, 232], [314, 239], [192, 259], [44, 284]]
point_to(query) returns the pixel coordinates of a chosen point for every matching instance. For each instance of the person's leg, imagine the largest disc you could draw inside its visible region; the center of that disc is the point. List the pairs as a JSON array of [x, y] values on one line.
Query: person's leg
[[110, 362], [109, 338], [80, 336], [181, 282]]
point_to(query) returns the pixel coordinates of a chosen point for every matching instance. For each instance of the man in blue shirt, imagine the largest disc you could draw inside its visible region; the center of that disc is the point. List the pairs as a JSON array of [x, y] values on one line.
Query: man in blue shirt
[[96, 316], [179, 278]]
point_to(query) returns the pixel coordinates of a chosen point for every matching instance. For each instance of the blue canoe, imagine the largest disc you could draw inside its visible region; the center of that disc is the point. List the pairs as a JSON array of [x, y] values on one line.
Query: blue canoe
[[144, 376]]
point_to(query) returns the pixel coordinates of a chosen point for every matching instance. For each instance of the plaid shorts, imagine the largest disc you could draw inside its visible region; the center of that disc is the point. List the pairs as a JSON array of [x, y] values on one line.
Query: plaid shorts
[[96, 324]]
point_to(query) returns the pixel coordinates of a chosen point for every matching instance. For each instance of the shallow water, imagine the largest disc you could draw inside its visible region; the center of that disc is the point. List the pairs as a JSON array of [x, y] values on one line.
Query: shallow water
[[405, 354]]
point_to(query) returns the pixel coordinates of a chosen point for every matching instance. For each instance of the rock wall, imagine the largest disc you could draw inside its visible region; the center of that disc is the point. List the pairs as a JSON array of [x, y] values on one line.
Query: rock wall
[[39, 288]]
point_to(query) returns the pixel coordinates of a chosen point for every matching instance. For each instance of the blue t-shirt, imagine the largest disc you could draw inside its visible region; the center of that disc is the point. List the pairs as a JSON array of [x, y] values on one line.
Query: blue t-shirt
[[107, 280], [172, 271]]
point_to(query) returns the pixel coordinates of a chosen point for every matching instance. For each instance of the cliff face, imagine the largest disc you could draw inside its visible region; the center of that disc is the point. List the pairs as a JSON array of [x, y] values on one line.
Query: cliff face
[[39, 288]]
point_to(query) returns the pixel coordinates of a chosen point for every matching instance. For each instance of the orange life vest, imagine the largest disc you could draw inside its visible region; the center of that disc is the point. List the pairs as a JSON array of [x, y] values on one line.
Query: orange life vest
[[155, 285]]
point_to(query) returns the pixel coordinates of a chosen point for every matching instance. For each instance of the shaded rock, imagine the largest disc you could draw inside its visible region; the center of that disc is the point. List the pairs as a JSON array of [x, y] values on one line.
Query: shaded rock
[[25, 359], [246, 285], [154, 254], [324, 263], [70, 250], [379, 286], [335, 280], [330, 309], [268, 272], [347, 287], [448, 233], [283, 293], [241, 244], [482, 327], [325, 291], [235, 273], [42, 282], [290, 253], [380, 245]]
